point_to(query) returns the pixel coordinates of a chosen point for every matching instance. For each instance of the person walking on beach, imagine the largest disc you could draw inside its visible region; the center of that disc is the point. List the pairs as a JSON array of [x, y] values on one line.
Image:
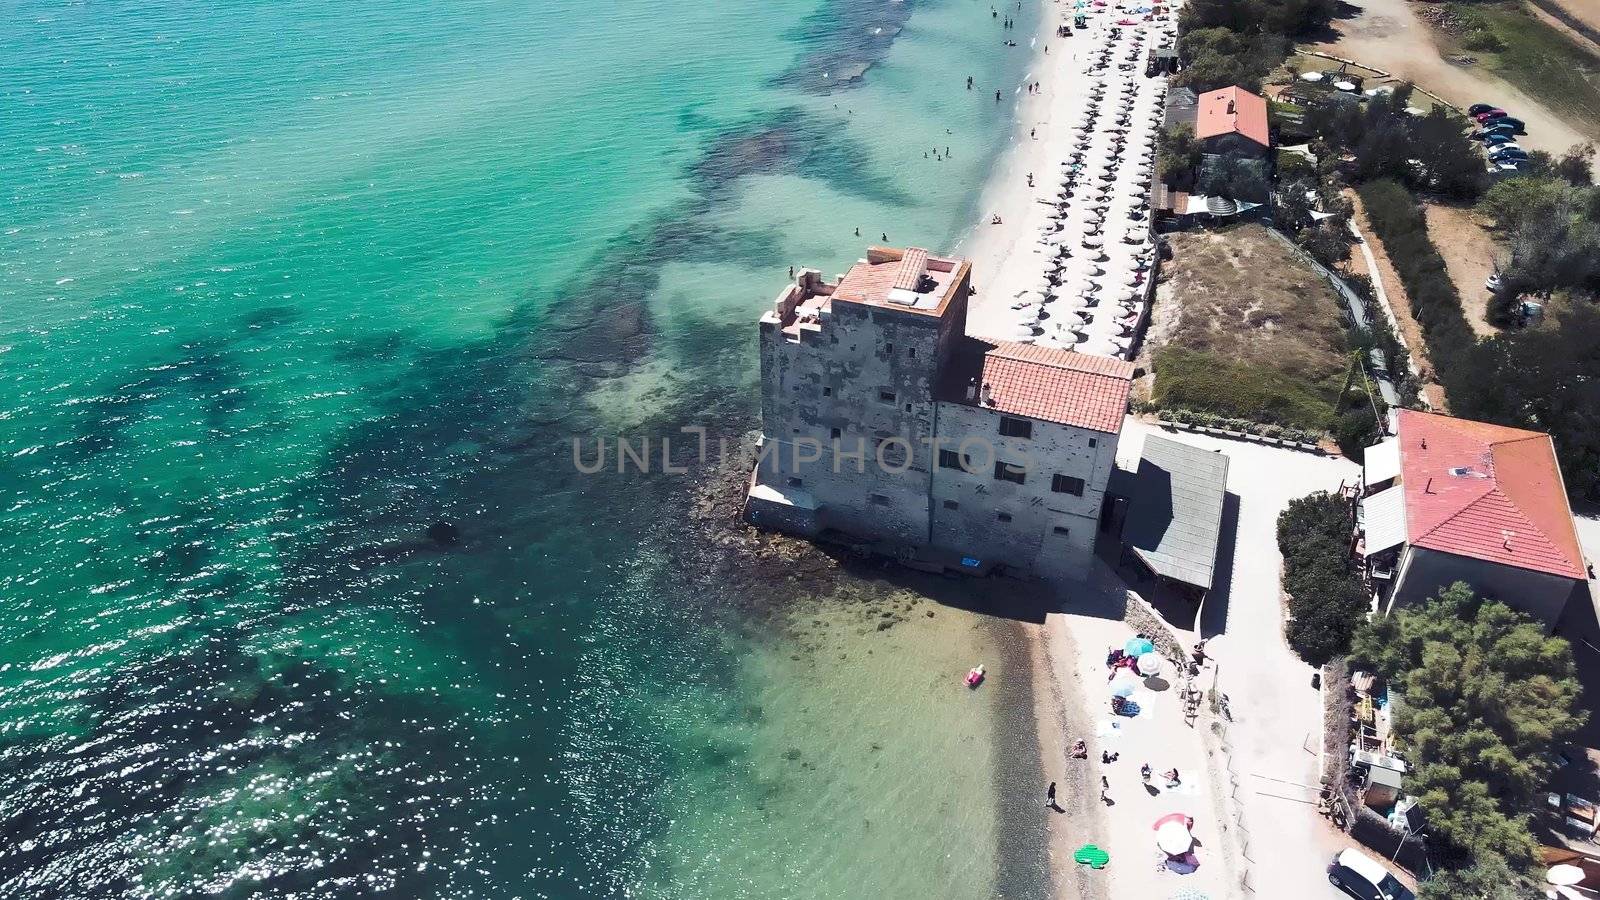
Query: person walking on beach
[[1050, 796]]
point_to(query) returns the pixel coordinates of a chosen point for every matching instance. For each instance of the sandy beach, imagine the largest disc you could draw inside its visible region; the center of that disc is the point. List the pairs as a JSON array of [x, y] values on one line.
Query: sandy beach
[[1011, 257]]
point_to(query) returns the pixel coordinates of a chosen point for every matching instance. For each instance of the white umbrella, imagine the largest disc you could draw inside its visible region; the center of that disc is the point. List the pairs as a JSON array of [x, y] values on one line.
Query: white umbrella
[[1173, 838], [1149, 664]]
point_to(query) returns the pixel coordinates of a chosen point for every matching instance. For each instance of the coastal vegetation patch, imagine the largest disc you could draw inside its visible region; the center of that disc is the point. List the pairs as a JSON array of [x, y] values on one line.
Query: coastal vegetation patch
[[1247, 330]]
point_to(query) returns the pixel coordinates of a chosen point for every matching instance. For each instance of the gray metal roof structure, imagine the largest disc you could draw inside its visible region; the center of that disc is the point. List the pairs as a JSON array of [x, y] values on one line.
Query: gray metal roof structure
[[1175, 516]]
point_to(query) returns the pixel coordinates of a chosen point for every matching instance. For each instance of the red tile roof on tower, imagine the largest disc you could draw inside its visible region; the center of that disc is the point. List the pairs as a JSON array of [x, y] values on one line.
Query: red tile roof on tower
[[1487, 492], [1078, 389], [1229, 111]]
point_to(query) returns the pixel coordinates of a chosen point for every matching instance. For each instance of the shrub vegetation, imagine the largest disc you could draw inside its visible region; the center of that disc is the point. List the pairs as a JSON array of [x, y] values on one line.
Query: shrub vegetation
[[1326, 599]]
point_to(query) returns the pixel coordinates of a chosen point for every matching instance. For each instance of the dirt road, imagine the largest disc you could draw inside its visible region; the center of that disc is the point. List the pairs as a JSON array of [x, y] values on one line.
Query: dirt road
[[1389, 36]]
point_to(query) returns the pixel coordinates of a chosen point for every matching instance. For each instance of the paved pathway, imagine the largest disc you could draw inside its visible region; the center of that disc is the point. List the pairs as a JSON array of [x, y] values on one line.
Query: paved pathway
[[1277, 714]]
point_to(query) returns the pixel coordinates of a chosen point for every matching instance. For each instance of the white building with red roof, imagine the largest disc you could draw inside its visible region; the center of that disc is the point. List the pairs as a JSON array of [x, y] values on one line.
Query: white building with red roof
[[885, 424], [1452, 500]]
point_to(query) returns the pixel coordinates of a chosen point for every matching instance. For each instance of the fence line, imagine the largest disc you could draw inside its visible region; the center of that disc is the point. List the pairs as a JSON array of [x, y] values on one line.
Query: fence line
[[1219, 727]]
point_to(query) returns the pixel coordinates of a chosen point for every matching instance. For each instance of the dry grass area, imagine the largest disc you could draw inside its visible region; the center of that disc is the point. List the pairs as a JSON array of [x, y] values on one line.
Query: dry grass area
[[1243, 328]]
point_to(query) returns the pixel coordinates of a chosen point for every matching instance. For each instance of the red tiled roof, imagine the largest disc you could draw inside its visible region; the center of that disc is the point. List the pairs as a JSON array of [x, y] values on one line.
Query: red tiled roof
[[1232, 110], [1487, 492], [1079, 389]]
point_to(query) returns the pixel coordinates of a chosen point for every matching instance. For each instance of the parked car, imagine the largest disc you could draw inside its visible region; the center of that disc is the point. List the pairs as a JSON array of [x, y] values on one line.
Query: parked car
[[1360, 876], [1487, 114], [1494, 127], [1477, 108], [1517, 125], [1508, 167], [1499, 139], [1508, 153], [1498, 148], [1493, 283]]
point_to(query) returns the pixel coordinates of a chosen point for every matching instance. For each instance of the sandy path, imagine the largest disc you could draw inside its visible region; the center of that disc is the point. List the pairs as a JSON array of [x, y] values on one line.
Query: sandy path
[[1469, 256], [1371, 252], [1389, 36]]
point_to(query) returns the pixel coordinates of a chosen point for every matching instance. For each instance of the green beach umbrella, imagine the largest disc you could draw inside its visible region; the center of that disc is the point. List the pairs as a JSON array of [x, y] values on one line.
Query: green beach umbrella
[[1090, 855]]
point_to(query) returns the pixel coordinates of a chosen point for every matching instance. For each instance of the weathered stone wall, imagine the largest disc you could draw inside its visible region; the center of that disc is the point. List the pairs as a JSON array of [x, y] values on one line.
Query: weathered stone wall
[[1028, 541]]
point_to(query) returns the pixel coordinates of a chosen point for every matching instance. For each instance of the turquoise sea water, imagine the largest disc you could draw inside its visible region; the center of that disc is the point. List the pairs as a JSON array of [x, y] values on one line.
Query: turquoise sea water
[[299, 306]]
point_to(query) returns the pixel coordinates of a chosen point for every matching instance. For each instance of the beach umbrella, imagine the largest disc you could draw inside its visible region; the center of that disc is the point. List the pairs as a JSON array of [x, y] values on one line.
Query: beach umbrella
[[1174, 839], [1312, 77], [1122, 687], [1137, 647], [1189, 893], [1564, 875], [1149, 664]]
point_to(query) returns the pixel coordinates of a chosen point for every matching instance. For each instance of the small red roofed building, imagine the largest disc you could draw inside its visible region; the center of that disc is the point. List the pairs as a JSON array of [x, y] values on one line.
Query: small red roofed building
[[883, 423], [1232, 122], [1449, 500]]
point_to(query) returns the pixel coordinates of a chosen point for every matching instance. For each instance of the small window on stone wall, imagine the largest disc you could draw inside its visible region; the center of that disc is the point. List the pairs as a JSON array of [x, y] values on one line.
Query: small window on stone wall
[[1010, 427], [1004, 517], [1066, 484]]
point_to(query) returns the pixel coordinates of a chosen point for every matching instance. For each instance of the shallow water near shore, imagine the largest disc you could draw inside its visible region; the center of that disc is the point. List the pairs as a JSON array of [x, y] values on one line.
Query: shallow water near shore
[[299, 307]]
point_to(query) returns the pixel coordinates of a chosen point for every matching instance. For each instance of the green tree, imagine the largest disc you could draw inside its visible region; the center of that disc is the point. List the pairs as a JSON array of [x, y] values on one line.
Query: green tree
[[1219, 57], [1577, 165], [1483, 695], [1326, 600], [1512, 202], [1488, 878], [1177, 155]]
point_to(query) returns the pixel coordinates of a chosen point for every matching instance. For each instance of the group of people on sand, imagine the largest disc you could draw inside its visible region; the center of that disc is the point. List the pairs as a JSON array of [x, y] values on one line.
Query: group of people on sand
[[1080, 750]]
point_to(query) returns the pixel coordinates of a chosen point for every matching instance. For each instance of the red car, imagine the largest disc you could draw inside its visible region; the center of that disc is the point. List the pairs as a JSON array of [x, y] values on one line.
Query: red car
[[1491, 114]]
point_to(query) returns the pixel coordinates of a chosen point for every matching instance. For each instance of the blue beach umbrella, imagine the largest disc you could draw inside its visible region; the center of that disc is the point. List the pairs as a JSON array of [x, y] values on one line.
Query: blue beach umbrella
[[1137, 647], [1122, 687]]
